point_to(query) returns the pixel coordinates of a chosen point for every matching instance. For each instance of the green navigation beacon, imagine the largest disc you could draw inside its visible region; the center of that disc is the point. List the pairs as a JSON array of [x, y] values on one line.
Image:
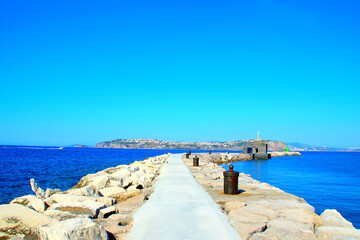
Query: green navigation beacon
[[286, 149]]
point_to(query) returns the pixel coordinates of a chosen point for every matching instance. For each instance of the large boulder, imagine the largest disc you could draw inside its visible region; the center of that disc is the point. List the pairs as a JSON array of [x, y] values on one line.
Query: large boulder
[[74, 229], [90, 190], [88, 207], [113, 192], [130, 205], [331, 217], [18, 220], [101, 181], [64, 215], [30, 201], [336, 227], [61, 198]]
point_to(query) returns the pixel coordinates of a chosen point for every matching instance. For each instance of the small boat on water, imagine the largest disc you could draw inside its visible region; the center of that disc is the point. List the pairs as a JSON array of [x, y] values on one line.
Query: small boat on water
[[61, 147]]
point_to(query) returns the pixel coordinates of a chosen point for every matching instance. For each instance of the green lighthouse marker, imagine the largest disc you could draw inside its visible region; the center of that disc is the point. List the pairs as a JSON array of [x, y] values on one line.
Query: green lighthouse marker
[[286, 149]]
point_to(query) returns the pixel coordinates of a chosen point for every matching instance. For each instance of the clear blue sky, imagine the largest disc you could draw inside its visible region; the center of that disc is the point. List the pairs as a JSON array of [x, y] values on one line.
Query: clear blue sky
[[89, 71]]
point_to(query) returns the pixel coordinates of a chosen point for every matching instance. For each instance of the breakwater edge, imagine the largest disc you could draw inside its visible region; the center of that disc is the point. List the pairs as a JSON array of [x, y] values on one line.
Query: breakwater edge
[[101, 202]]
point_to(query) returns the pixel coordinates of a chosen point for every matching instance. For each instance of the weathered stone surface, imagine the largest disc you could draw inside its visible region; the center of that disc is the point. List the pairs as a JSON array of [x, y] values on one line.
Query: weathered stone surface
[[259, 210], [101, 181], [106, 212], [298, 215], [331, 232], [291, 204], [85, 207], [117, 229], [30, 201], [16, 219], [64, 215], [130, 205], [113, 192], [14, 229], [145, 180], [129, 194], [114, 183], [282, 234], [246, 230], [74, 229], [290, 225], [247, 217], [332, 217], [90, 190], [62, 198]]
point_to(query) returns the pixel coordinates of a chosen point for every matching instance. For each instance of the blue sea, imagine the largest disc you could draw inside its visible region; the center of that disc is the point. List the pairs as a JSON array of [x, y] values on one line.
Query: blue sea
[[324, 179]]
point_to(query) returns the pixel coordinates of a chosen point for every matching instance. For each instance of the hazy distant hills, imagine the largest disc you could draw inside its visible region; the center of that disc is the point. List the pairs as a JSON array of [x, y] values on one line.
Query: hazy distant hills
[[295, 146]]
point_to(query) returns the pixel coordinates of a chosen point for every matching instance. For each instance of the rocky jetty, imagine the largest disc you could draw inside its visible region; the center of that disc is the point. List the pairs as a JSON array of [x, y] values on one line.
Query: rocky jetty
[[100, 206], [262, 211], [220, 158]]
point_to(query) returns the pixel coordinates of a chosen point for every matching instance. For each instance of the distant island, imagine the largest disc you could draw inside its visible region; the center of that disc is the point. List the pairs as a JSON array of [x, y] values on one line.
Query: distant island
[[161, 144], [236, 145]]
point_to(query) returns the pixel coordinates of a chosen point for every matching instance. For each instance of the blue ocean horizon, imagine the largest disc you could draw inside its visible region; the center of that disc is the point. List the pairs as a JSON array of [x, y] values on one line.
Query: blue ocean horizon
[[326, 180]]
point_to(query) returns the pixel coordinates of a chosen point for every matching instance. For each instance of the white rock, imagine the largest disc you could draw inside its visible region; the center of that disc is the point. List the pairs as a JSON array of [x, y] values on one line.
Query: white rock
[[61, 198], [113, 192], [330, 232], [64, 215], [126, 181], [231, 205], [247, 217], [100, 181], [74, 229], [291, 204], [90, 190], [86, 207], [26, 216], [332, 217], [290, 225], [30, 201], [258, 210], [114, 183], [298, 215], [106, 212], [246, 230]]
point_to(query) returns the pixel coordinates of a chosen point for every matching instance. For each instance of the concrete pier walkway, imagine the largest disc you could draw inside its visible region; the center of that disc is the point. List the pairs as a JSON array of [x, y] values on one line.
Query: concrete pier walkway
[[179, 208]]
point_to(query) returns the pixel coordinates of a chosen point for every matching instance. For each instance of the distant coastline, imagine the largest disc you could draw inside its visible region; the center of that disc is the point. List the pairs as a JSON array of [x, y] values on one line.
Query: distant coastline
[[236, 145]]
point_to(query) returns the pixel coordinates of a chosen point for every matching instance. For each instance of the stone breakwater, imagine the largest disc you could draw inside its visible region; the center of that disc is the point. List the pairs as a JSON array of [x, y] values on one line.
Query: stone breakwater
[[100, 206], [219, 158], [262, 211]]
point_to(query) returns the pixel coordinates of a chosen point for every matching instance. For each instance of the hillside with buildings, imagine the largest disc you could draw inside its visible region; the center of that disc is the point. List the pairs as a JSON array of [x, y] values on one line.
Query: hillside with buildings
[[161, 144]]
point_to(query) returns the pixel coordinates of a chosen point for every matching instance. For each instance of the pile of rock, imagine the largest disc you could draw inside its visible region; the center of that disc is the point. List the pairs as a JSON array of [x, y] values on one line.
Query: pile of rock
[[262, 211], [219, 158], [98, 207], [280, 154]]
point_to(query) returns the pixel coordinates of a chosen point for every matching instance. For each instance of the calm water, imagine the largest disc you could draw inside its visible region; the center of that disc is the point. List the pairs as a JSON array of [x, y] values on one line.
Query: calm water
[[327, 180], [58, 168], [324, 179]]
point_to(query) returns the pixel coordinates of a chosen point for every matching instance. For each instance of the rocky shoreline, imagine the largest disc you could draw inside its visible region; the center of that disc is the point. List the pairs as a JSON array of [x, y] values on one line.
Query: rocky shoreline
[[101, 206], [262, 211], [220, 158]]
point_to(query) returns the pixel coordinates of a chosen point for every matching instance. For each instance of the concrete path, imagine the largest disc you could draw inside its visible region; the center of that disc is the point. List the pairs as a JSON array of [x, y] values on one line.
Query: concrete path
[[179, 208]]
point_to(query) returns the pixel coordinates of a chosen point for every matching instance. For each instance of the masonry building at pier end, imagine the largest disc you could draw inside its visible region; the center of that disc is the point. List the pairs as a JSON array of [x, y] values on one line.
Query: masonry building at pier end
[[257, 149]]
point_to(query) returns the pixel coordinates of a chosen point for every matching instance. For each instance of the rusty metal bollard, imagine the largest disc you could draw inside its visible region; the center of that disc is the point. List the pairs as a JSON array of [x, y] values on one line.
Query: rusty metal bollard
[[209, 152], [187, 155], [189, 152], [231, 181], [195, 161]]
